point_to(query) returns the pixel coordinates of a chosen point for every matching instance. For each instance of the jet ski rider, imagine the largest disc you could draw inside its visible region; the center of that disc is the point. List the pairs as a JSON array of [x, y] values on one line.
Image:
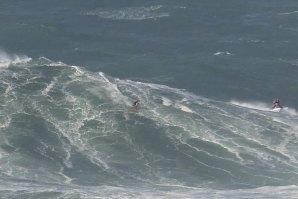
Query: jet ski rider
[[276, 103]]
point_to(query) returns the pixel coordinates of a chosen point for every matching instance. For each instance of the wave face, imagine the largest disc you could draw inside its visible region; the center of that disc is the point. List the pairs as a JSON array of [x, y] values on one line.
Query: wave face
[[72, 133]]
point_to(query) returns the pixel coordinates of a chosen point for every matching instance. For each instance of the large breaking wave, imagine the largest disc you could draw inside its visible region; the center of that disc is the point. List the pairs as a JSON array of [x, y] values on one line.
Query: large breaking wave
[[62, 126]]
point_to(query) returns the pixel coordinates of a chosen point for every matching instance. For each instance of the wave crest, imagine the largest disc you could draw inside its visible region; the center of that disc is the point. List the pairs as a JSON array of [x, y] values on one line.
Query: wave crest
[[6, 60]]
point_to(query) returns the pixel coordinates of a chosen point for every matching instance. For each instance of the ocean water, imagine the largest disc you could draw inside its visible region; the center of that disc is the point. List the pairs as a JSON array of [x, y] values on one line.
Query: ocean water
[[205, 71]]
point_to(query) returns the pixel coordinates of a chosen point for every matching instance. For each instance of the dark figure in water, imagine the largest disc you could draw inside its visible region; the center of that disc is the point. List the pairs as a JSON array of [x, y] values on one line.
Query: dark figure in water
[[276, 103], [135, 104]]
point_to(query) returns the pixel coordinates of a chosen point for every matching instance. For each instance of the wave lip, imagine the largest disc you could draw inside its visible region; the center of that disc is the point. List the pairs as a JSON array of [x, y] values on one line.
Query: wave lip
[[6, 60]]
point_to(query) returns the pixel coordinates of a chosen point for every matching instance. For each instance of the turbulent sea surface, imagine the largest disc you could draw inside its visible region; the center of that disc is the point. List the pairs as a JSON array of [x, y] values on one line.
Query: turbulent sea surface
[[205, 71]]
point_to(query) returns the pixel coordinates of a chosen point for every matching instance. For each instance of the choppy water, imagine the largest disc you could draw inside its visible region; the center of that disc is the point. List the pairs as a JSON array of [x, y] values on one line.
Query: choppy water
[[205, 73]]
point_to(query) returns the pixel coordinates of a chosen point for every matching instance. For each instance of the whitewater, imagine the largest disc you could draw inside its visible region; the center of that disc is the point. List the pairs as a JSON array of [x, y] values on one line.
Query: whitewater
[[67, 132], [205, 73]]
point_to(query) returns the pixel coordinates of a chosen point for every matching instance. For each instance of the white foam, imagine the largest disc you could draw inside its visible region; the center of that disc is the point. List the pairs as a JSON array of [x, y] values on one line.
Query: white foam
[[78, 72], [72, 131], [184, 108], [288, 13], [252, 105], [166, 101], [49, 87], [59, 63], [45, 59], [222, 53], [112, 88], [130, 13], [184, 94], [67, 180], [6, 60], [290, 111]]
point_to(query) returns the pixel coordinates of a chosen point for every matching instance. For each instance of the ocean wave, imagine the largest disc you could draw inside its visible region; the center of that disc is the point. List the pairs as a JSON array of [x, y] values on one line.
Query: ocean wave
[[130, 13], [77, 127]]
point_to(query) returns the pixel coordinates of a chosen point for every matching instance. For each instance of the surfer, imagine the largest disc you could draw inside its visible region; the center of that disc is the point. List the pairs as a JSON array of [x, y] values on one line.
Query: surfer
[[135, 104], [276, 103]]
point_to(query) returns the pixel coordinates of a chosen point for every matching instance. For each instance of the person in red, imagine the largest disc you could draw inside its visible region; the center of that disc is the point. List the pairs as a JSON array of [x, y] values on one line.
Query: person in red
[[276, 103]]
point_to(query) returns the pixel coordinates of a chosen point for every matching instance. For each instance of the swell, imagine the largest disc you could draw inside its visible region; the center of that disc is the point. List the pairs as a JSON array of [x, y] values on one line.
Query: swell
[[130, 13]]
